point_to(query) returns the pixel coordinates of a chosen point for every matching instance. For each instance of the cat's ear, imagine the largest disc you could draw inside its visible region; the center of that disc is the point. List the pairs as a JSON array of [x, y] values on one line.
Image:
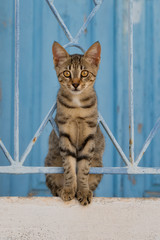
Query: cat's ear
[[60, 55], [93, 54]]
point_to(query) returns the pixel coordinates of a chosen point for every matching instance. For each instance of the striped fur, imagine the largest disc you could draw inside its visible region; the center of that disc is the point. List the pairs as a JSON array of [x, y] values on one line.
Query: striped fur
[[81, 142]]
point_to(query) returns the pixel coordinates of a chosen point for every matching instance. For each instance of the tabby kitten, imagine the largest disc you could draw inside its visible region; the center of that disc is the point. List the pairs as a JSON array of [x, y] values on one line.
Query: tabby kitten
[[81, 142]]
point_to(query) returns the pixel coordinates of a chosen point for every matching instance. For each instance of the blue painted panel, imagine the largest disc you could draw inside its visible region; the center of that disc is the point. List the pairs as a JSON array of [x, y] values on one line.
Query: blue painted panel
[[39, 85], [6, 85], [104, 84]]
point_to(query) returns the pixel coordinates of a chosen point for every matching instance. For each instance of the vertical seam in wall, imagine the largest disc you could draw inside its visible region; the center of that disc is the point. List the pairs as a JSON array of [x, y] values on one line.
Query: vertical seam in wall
[[32, 98], [115, 103], [12, 91]]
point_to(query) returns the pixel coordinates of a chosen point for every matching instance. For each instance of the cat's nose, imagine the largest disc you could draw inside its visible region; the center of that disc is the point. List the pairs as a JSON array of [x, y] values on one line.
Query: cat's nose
[[75, 85]]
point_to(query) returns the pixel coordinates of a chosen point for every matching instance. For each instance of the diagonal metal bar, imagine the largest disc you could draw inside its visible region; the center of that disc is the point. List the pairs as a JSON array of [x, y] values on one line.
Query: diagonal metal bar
[[16, 94], [60, 20], [84, 26], [38, 133], [6, 153], [130, 80], [54, 125], [115, 143], [73, 41], [148, 141]]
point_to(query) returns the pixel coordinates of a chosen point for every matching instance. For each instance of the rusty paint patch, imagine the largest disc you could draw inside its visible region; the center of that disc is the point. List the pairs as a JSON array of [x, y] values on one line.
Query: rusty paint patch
[[85, 30], [33, 193], [153, 194], [130, 141], [140, 125], [132, 179], [129, 126], [34, 140], [0, 93], [4, 23]]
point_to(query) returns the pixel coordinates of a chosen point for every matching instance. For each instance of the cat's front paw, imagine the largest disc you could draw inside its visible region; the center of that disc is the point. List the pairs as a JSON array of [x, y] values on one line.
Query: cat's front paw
[[84, 196], [67, 193]]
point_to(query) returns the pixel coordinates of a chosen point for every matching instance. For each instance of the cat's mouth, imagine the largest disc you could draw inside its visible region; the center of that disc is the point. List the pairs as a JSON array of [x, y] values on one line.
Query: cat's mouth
[[76, 90]]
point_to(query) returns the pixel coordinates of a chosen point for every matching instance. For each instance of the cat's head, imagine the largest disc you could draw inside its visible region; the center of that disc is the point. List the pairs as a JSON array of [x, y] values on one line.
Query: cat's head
[[76, 72]]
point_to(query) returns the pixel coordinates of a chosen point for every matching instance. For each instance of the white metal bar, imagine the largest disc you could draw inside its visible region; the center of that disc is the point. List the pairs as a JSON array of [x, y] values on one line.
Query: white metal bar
[[148, 141], [6, 153], [38, 133], [16, 96], [72, 44], [84, 26], [97, 170], [54, 125], [124, 170], [60, 20], [97, 1], [130, 79], [115, 143]]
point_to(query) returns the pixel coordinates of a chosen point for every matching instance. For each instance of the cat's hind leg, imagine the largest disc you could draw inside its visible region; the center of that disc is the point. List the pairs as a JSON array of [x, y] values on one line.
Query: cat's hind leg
[[55, 183], [53, 159], [94, 179]]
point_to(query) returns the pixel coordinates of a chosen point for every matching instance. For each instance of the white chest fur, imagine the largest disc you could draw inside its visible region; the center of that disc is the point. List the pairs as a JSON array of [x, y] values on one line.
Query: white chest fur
[[76, 101]]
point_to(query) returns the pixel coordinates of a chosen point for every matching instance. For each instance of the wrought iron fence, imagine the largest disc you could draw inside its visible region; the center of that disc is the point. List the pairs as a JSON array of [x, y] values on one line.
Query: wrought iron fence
[[16, 163]]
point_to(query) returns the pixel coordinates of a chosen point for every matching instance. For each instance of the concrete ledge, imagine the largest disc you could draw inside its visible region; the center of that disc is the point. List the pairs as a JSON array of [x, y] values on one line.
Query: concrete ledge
[[105, 219]]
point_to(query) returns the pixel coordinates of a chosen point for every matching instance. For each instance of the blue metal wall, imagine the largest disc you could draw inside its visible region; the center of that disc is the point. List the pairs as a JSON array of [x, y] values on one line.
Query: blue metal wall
[[39, 86]]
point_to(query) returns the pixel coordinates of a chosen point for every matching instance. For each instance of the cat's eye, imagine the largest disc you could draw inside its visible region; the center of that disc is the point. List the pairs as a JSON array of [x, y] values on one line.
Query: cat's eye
[[84, 73], [67, 74]]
